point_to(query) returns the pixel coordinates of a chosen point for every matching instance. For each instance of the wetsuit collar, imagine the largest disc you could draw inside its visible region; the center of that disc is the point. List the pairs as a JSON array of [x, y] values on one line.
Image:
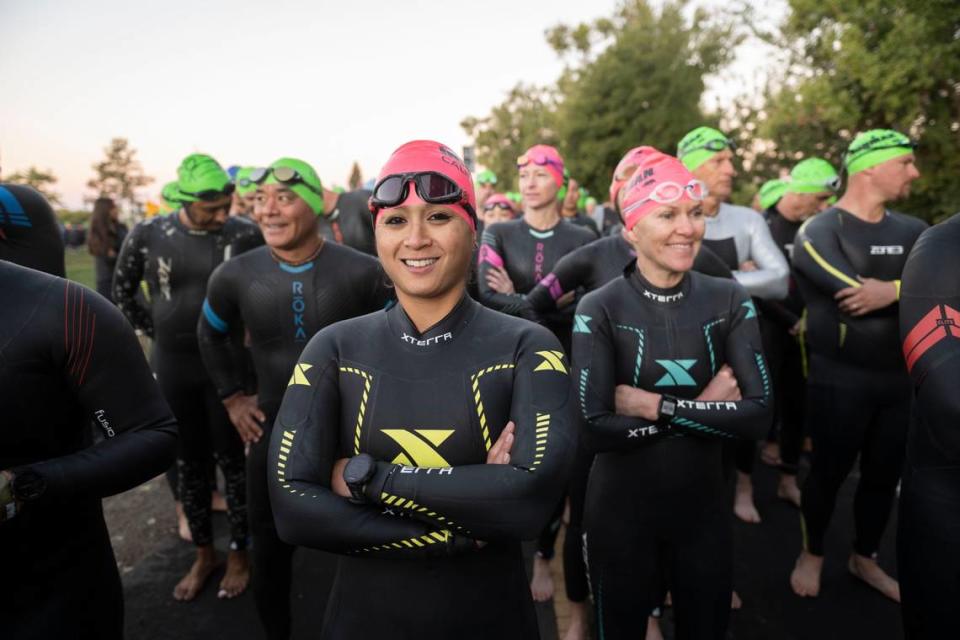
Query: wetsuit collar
[[666, 297], [443, 332]]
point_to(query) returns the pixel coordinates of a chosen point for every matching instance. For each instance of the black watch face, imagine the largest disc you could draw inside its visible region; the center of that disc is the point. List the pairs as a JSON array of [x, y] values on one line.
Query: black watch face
[[669, 406], [356, 470]]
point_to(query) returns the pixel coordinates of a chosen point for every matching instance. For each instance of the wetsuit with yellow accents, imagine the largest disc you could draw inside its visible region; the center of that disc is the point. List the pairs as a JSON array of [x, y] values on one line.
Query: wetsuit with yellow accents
[[427, 406], [858, 389]]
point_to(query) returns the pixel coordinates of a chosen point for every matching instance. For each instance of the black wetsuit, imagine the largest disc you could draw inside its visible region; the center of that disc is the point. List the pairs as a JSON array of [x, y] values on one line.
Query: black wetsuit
[[428, 406], [68, 359], [929, 526], [29, 233], [350, 222], [176, 262], [656, 501], [858, 390], [282, 307]]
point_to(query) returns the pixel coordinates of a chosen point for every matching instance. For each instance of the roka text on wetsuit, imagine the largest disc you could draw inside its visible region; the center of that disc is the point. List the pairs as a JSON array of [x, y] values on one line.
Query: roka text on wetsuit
[[928, 559], [29, 233], [176, 262], [69, 359], [428, 406], [656, 499], [282, 307], [859, 393]]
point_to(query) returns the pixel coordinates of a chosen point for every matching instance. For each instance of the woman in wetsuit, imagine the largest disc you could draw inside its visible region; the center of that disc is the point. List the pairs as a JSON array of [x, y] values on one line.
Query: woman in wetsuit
[[379, 449], [668, 365]]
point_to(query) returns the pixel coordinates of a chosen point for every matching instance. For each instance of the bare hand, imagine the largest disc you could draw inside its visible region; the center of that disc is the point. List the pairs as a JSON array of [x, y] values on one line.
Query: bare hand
[[246, 416], [566, 299], [870, 296], [798, 328], [499, 280], [722, 388], [749, 265], [636, 403], [570, 200], [337, 484], [500, 451]]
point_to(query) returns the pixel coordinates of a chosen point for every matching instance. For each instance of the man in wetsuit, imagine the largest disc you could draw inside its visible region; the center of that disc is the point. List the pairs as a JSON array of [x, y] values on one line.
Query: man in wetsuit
[[244, 196], [848, 261], [741, 238], [927, 555], [29, 233], [281, 294], [345, 219], [67, 359], [486, 186], [175, 256], [813, 182]]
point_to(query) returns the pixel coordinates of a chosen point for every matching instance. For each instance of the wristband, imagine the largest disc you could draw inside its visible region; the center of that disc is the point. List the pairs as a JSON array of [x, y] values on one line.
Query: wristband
[[666, 410]]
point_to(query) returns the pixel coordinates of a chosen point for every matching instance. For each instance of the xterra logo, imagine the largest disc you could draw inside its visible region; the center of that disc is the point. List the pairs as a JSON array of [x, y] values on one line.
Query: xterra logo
[[888, 250], [419, 447], [656, 297], [552, 361], [409, 339], [676, 375]]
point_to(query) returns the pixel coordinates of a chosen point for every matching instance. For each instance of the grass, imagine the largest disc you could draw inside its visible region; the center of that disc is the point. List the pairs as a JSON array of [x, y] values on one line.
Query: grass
[[80, 267]]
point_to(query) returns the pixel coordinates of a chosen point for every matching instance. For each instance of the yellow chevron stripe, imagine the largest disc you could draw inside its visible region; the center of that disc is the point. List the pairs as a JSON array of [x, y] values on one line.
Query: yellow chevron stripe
[[367, 380], [475, 383]]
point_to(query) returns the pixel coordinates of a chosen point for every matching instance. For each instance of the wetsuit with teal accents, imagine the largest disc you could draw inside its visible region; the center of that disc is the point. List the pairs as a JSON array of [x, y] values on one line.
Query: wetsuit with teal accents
[[282, 307], [176, 263], [29, 233], [528, 256], [350, 222], [657, 504], [68, 359], [427, 406], [929, 517], [858, 390]]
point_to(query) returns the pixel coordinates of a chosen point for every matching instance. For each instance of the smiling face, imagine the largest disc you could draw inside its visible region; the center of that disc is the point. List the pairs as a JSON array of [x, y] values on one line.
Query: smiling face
[[287, 222], [425, 249], [667, 239], [538, 186]]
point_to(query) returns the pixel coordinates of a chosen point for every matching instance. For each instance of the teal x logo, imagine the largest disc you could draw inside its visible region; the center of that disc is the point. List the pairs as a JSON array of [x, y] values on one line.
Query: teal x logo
[[676, 375], [581, 324]]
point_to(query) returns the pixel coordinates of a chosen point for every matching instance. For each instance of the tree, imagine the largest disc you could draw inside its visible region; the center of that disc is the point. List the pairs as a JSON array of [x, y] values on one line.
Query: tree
[[876, 63], [356, 178], [40, 180], [119, 175]]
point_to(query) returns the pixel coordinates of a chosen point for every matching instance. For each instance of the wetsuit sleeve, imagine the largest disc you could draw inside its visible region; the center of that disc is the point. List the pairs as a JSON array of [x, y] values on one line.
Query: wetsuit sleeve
[[490, 256], [103, 365], [224, 358], [570, 272], [818, 256], [770, 280], [303, 450], [500, 501], [126, 280]]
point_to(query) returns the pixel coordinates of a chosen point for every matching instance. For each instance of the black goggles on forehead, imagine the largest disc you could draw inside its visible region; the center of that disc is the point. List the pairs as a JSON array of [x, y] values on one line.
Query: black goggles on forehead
[[431, 186], [283, 175], [713, 145], [879, 145], [209, 195]]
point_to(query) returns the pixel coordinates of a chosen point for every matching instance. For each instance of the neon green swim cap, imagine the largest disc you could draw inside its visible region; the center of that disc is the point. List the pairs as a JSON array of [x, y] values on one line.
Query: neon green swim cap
[[813, 175], [303, 181], [771, 191], [486, 177], [873, 147], [170, 193], [514, 196], [700, 145], [244, 184], [201, 177]]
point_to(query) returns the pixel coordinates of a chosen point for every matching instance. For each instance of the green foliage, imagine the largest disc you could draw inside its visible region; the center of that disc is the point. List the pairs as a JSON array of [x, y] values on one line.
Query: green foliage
[[119, 174], [74, 217], [39, 179]]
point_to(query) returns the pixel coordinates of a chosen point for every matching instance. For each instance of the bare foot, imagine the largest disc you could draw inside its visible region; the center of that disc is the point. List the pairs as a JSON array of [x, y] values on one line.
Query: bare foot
[[788, 490], [183, 528], [542, 584], [743, 505], [578, 622], [770, 454], [237, 576], [218, 502], [735, 602], [870, 572], [191, 584], [805, 579], [653, 629]]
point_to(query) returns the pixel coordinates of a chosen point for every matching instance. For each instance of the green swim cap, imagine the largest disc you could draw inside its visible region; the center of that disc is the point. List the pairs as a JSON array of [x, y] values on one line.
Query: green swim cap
[[338, 189], [700, 145], [201, 177], [514, 196], [771, 192], [873, 147], [170, 193], [244, 184], [486, 177], [813, 175], [304, 182]]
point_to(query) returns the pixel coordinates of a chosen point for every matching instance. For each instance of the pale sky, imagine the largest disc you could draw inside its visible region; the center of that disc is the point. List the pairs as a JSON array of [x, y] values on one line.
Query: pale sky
[[249, 82]]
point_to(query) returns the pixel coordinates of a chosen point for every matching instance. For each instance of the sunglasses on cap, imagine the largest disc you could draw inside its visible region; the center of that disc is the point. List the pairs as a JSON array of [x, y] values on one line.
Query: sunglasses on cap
[[209, 195], [283, 175], [670, 192], [540, 159], [716, 144], [432, 187]]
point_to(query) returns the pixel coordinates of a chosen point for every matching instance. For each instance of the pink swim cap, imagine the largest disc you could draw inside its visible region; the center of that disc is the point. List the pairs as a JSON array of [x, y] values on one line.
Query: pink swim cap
[[545, 156], [630, 160], [499, 200], [427, 155], [658, 179]]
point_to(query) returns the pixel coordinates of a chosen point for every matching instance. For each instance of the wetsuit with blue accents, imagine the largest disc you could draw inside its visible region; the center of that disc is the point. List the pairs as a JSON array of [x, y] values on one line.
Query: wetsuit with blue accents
[[858, 389], [281, 306], [656, 500], [68, 359], [176, 262], [929, 517], [29, 233], [427, 406]]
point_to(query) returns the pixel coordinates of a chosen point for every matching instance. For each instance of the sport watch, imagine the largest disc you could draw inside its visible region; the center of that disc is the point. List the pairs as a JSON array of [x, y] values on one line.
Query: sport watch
[[359, 471], [666, 410], [28, 485]]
